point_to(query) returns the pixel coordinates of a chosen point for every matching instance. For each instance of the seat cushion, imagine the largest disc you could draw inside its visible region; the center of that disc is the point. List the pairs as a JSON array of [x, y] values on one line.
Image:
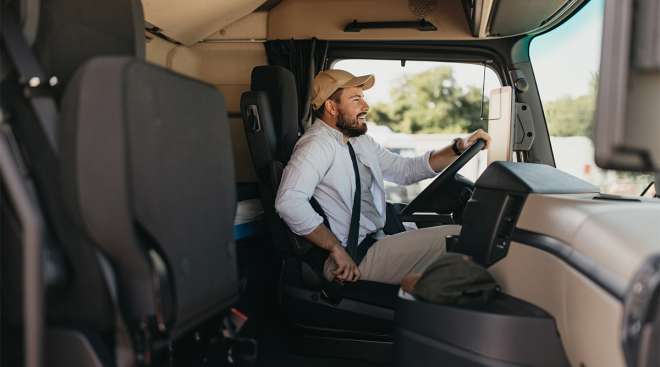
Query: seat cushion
[[148, 175]]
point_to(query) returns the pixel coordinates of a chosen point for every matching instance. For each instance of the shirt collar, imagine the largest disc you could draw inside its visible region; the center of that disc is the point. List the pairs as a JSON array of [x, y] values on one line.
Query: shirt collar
[[332, 131]]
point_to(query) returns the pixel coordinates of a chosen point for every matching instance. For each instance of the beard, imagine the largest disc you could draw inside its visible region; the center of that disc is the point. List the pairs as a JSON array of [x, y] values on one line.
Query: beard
[[351, 126]]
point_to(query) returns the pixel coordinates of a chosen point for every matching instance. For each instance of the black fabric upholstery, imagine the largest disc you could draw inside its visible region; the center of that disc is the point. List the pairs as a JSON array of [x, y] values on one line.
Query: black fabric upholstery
[[280, 87], [147, 167], [263, 141], [305, 58], [260, 128], [72, 31], [84, 301]]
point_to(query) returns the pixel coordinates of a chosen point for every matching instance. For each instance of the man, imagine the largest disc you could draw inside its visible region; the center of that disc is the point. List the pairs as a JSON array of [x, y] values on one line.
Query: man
[[343, 169]]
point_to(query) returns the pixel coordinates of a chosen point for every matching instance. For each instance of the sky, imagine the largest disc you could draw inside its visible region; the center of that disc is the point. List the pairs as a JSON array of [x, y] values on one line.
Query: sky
[[564, 61]]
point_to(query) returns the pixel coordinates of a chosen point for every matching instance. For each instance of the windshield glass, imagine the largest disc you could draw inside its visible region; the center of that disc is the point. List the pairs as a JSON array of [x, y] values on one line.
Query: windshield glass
[[566, 65], [423, 106]]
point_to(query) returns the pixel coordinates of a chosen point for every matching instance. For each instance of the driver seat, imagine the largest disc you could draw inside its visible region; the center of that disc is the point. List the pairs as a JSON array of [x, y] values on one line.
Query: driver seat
[[362, 314]]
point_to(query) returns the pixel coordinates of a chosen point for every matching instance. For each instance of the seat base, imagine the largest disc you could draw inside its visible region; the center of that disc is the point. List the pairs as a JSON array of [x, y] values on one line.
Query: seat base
[[356, 327]]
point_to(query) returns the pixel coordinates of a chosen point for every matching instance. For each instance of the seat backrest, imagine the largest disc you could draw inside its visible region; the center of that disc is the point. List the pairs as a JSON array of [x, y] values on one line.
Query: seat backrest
[[270, 116], [150, 181], [279, 88], [72, 31], [143, 177]]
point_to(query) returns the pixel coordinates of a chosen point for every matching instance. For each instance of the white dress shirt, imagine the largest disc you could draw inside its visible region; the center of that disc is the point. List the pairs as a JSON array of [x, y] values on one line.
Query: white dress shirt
[[321, 166]]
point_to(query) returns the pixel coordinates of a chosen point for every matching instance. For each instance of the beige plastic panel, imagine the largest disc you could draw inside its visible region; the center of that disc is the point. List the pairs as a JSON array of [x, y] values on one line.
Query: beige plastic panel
[[228, 67], [326, 19], [157, 49], [190, 21], [617, 235], [587, 318], [500, 124], [253, 26]]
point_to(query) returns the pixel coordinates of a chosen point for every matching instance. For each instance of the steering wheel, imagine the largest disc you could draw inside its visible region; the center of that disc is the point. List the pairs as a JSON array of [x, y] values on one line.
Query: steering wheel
[[447, 175]]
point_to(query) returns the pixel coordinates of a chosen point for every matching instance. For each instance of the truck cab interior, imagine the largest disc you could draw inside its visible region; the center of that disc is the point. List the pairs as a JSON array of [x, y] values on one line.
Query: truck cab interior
[[143, 141]]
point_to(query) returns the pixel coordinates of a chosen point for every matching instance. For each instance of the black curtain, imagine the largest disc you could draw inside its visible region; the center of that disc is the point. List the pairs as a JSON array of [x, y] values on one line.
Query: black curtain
[[305, 58]]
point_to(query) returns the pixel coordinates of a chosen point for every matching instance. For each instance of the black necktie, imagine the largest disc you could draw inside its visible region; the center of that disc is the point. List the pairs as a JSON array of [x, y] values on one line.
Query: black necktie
[[354, 230]]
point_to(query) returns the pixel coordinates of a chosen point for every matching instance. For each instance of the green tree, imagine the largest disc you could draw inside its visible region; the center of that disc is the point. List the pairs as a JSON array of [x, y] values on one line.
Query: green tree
[[568, 116], [430, 102]]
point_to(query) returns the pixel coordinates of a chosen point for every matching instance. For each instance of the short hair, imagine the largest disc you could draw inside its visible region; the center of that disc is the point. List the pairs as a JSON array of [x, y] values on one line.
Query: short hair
[[335, 96]]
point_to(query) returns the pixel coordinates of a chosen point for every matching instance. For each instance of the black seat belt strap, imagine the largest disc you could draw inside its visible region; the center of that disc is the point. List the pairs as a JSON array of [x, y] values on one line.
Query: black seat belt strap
[[354, 229], [33, 78]]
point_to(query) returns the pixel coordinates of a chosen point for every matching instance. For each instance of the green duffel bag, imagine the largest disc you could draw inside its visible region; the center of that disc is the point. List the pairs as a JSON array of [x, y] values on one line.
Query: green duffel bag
[[454, 279]]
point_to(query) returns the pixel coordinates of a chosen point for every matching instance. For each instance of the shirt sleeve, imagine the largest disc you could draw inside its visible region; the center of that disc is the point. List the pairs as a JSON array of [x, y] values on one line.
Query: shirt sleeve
[[308, 164], [403, 170]]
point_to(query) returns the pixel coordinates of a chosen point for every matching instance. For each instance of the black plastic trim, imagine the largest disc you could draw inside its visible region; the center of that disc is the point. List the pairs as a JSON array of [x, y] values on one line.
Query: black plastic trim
[[584, 265], [422, 25], [22, 195], [345, 304]]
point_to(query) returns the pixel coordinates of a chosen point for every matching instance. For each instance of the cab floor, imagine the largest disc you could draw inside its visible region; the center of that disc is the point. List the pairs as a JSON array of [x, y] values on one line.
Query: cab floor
[[274, 352]]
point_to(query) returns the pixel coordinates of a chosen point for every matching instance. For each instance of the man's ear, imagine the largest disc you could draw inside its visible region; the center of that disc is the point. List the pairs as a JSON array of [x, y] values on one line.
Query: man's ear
[[330, 106]]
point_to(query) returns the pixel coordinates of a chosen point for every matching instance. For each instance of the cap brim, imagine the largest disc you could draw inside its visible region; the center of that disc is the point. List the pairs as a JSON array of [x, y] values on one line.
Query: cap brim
[[365, 82]]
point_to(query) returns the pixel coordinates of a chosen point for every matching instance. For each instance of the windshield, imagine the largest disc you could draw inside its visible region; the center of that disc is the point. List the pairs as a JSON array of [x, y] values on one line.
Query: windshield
[[566, 66], [423, 106]]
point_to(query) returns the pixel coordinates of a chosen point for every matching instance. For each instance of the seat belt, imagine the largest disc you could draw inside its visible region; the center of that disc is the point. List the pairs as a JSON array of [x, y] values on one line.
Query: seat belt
[[354, 229], [32, 77]]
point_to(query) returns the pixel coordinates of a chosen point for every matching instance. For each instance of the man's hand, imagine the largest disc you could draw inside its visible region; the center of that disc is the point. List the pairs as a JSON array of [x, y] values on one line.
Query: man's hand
[[346, 270], [463, 144]]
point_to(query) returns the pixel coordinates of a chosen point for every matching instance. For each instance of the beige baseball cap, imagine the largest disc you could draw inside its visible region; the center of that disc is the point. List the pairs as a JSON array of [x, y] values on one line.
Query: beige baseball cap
[[327, 82]]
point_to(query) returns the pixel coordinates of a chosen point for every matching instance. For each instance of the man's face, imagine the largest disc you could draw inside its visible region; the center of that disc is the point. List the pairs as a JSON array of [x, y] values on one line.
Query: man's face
[[352, 112]]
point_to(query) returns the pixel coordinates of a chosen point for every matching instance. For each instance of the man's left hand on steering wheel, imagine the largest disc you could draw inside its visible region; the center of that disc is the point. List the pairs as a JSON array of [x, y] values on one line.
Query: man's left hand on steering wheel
[[464, 143]]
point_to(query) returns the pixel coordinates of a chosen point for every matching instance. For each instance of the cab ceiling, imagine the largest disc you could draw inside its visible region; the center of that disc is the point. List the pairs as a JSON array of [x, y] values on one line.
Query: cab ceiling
[[192, 21], [326, 19]]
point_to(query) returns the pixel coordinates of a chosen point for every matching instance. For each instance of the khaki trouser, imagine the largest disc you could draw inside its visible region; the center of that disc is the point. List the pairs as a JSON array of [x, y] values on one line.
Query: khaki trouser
[[395, 256]]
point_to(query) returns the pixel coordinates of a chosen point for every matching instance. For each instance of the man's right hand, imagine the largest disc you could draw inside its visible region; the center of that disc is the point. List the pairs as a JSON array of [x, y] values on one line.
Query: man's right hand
[[346, 270]]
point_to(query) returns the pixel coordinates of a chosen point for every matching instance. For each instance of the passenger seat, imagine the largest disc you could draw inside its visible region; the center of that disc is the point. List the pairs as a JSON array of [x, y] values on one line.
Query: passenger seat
[[138, 190]]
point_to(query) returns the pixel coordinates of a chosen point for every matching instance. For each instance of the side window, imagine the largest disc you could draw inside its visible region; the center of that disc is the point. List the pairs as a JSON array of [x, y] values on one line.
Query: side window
[[422, 106], [566, 65]]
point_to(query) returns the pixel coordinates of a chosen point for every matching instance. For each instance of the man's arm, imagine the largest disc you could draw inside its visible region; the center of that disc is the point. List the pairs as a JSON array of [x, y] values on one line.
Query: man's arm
[[303, 173], [440, 159], [405, 171], [309, 162]]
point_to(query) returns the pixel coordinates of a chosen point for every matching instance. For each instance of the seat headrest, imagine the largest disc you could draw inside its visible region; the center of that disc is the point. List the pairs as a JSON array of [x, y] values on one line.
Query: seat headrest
[[279, 84], [73, 31]]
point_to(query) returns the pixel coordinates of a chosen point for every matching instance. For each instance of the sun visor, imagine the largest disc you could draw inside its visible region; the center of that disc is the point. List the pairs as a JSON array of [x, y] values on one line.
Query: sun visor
[[191, 21], [500, 124]]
